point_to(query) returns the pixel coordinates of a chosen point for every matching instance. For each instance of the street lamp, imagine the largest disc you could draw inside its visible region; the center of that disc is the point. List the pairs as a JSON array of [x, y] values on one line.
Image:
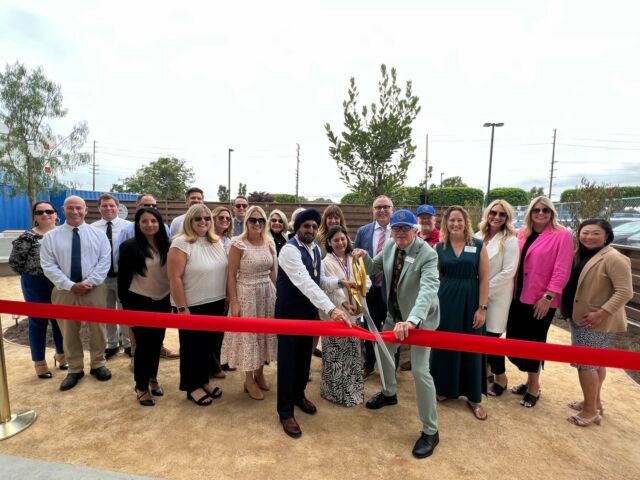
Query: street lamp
[[229, 180], [441, 175], [493, 126]]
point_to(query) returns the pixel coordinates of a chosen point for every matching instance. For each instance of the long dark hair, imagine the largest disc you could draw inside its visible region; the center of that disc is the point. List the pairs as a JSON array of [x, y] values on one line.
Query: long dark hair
[[144, 249], [603, 224], [332, 231]]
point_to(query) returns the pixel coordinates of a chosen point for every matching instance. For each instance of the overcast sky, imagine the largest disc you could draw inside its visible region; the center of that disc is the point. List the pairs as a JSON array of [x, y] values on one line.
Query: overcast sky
[[193, 79]]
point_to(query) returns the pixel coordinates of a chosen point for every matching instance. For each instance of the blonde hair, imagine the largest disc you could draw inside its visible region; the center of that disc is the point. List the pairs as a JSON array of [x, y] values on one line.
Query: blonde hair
[[507, 229], [217, 211], [444, 228], [188, 231], [245, 232], [528, 224], [330, 211], [283, 217]]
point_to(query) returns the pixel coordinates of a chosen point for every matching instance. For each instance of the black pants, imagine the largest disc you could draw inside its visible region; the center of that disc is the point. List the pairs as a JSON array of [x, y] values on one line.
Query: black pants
[[496, 362], [148, 339], [196, 347], [522, 325], [294, 361], [378, 311]]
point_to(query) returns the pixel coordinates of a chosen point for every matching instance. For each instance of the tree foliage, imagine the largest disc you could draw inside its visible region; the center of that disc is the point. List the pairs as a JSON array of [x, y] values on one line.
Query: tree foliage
[[242, 189], [223, 193], [515, 196], [30, 149], [374, 151], [352, 198], [628, 191], [593, 200], [167, 178], [260, 197], [535, 192], [287, 198], [453, 182], [444, 197]]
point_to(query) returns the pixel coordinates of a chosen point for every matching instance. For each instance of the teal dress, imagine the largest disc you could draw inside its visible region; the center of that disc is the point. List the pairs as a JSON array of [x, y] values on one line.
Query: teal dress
[[455, 373]]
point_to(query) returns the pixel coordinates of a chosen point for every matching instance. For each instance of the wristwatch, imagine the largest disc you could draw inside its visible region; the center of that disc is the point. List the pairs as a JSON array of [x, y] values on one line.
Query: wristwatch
[[548, 297], [181, 309], [484, 307]]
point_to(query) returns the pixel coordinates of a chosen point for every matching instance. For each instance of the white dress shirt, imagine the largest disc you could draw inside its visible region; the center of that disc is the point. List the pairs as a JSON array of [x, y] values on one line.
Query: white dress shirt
[[117, 225], [55, 255], [290, 260], [176, 225], [377, 231]]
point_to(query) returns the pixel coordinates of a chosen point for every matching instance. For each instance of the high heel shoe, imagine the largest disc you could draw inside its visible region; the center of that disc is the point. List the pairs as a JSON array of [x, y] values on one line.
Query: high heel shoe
[[156, 389], [253, 390], [42, 369], [59, 358], [145, 402], [261, 381]]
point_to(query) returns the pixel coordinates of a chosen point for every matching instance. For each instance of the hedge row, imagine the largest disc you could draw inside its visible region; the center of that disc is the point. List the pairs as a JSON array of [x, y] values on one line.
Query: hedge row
[[515, 196], [569, 195]]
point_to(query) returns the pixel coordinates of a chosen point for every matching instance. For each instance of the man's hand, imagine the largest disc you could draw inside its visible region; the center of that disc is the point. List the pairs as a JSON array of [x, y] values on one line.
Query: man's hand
[[401, 330], [81, 288], [347, 307], [339, 316], [358, 253]]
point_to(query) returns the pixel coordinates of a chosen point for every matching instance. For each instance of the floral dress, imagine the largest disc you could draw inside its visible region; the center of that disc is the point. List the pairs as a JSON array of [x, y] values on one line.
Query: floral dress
[[257, 296]]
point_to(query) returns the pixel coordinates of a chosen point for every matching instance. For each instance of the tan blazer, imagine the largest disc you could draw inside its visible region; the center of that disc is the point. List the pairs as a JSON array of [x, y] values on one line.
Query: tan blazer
[[605, 282]]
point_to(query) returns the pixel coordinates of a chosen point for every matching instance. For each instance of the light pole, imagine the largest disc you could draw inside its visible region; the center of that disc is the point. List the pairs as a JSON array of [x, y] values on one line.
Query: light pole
[[441, 175], [229, 180], [493, 126]]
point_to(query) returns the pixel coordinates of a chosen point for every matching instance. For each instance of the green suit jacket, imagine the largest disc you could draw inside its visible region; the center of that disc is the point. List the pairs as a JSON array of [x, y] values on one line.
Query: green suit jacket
[[418, 285]]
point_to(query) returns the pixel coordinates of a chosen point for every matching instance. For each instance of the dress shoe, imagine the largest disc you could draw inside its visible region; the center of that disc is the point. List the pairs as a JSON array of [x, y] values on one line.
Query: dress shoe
[[425, 445], [317, 352], [381, 400], [127, 351], [71, 380], [366, 372], [110, 352], [306, 406], [252, 389], [166, 353], [59, 358], [405, 366], [101, 373], [291, 427], [227, 368]]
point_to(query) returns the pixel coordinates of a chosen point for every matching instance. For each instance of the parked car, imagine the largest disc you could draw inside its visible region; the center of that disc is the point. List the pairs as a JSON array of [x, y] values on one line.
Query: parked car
[[618, 219], [633, 240], [621, 233]]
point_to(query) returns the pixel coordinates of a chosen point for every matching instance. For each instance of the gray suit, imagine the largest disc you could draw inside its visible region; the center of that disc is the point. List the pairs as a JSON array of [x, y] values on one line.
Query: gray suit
[[418, 302]]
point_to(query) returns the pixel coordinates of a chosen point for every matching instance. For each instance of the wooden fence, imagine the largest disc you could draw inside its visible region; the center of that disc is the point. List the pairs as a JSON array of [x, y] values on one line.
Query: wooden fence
[[633, 307]]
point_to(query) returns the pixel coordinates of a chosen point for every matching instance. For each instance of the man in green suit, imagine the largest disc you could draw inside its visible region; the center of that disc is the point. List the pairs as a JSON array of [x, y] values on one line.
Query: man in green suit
[[410, 268]]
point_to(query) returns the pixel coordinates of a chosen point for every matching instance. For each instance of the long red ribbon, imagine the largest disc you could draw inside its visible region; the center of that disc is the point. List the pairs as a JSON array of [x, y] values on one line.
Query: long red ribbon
[[425, 338]]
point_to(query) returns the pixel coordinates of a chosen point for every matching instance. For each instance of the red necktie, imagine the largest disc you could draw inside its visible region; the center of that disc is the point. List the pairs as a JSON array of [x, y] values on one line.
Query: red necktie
[[377, 279]]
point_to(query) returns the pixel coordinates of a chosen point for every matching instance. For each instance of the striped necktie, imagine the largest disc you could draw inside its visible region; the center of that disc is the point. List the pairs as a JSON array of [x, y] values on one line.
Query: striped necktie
[[377, 279]]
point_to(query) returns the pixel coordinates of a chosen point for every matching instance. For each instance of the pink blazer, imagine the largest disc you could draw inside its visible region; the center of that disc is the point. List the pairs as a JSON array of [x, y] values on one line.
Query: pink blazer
[[547, 266]]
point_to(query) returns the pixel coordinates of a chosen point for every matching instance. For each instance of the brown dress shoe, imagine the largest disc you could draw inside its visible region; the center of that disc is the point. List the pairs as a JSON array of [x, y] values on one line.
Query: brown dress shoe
[[166, 353], [253, 390], [306, 406], [366, 372], [291, 427]]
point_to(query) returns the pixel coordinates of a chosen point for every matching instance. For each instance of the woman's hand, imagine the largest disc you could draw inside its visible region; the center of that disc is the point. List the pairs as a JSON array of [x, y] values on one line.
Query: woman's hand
[[593, 319], [479, 317], [541, 308], [339, 316], [358, 253], [234, 308], [347, 307]]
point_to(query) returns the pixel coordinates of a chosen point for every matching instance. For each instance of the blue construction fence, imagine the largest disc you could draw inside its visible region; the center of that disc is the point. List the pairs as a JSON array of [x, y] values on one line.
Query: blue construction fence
[[15, 211]]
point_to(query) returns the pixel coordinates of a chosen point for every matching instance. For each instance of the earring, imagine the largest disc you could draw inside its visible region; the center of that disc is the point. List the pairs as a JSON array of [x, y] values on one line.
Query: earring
[[35, 223]]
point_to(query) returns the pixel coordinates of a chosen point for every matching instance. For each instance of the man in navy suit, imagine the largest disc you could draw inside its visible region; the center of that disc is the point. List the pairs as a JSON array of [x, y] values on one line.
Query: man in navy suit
[[371, 237]]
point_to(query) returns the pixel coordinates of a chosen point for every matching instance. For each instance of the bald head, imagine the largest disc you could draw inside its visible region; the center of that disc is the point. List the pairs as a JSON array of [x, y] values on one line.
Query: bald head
[[74, 209]]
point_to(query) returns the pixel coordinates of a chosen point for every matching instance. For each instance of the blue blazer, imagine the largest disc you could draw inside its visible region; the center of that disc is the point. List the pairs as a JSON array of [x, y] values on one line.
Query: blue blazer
[[364, 240]]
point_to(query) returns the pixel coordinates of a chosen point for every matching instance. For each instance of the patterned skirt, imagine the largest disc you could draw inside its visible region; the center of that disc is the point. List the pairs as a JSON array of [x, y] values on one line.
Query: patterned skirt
[[342, 380]]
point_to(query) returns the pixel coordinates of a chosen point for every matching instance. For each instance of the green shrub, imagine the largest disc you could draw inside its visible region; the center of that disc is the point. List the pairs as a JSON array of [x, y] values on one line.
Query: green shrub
[[352, 198], [569, 195], [444, 197], [284, 198], [408, 196], [515, 196]]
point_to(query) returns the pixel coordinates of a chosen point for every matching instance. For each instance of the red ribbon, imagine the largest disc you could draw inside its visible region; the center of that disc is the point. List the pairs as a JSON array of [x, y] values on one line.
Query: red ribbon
[[424, 338]]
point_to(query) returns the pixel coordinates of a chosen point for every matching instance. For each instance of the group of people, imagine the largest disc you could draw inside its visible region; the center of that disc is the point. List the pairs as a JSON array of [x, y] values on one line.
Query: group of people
[[243, 262]]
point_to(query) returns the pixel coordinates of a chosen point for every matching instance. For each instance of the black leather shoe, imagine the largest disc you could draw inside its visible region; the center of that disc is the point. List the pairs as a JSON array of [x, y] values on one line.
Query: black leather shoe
[[71, 380], [110, 352], [317, 353], [381, 400], [306, 406], [425, 445], [101, 373], [127, 351]]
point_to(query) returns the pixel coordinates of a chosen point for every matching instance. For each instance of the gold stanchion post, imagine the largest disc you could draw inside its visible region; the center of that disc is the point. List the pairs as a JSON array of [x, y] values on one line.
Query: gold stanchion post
[[10, 424]]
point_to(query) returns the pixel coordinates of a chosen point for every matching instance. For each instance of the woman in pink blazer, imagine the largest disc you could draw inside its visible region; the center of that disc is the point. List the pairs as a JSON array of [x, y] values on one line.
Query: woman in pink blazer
[[546, 253]]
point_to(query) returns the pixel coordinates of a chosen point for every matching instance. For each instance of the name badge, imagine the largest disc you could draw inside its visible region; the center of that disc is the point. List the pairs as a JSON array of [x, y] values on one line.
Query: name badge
[[470, 248], [409, 259]]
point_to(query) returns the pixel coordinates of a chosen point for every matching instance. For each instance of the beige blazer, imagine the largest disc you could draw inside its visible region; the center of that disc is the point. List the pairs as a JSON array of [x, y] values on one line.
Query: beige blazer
[[605, 282]]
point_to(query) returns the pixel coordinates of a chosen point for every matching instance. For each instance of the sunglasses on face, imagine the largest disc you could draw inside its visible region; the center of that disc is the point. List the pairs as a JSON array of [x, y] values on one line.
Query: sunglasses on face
[[222, 218], [541, 210], [259, 221], [199, 219], [309, 226], [241, 205], [42, 212], [493, 213], [150, 205], [401, 228], [277, 220]]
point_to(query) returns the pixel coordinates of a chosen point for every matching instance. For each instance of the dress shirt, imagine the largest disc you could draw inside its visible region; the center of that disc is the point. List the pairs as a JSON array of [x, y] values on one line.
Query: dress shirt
[[290, 260], [377, 231], [117, 224], [127, 232], [176, 225], [55, 255], [238, 226]]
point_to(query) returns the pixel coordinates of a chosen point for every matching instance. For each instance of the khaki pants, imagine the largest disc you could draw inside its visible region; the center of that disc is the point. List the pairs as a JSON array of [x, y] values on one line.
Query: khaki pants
[[71, 328]]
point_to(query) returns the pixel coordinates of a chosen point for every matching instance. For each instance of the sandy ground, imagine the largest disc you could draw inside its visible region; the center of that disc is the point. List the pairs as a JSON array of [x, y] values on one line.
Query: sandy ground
[[102, 426]]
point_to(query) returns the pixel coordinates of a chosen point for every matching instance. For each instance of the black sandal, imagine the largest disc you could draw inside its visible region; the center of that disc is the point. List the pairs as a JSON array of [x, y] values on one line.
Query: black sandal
[[520, 389], [495, 390], [529, 401], [215, 393], [202, 401]]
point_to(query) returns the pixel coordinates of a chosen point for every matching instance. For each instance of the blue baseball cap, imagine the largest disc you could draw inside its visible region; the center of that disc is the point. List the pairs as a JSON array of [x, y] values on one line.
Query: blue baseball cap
[[426, 210], [403, 217]]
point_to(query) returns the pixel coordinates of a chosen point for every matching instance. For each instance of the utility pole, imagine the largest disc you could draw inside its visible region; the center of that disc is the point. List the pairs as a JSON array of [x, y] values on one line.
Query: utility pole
[[297, 168], [493, 127], [441, 175], [553, 160], [93, 170], [426, 171], [229, 179]]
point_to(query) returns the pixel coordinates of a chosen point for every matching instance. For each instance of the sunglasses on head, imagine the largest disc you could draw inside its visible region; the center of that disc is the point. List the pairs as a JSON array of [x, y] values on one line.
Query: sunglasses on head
[[150, 205], [494, 213], [223, 218], [253, 221], [401, 228], [199, 219], [277, 220], [541, 210], [42, 212], [241, 205]]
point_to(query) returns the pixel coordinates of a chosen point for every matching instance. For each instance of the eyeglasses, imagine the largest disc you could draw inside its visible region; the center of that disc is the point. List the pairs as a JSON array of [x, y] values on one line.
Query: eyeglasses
[[401, 228], [42, 212], [222, 218], [309, 226], [199, 219], [150, 205], [277, 220], [493, 213], [382, 207], [241, 205], [253, 221], [541, 210]]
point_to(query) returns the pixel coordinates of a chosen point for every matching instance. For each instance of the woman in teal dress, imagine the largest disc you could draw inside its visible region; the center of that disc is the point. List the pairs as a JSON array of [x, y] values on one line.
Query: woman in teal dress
[[464, 291]]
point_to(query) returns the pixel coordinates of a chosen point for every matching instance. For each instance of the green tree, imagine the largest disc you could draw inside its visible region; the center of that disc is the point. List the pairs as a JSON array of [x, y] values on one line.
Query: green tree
[[223, 193], [515, 196], [260, 197], [166, 178], [242, 189], [375, 150], [593, 200], [535, 192], [32, 156], [453, 182]]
